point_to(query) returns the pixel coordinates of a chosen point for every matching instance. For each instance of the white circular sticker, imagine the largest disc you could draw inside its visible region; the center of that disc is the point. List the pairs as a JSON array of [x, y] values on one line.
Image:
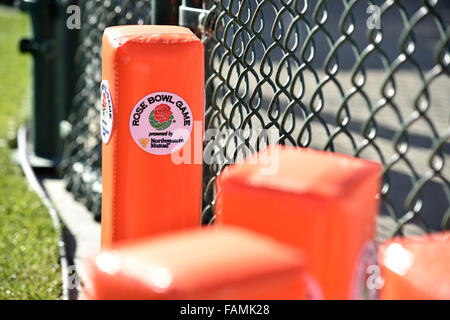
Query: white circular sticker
[[106, 113], [161, 123]]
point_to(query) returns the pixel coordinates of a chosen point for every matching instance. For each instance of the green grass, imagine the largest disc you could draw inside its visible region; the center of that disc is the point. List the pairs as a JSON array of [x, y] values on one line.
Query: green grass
[[29, 259]]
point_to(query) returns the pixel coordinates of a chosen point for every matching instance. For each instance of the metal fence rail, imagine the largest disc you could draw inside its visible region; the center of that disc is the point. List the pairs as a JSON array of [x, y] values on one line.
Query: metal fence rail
[[366, 78]]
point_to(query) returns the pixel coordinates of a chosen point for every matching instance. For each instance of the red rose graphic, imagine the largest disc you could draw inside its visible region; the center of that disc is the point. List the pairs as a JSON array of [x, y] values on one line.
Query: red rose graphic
[[104, 102], [162, 113]]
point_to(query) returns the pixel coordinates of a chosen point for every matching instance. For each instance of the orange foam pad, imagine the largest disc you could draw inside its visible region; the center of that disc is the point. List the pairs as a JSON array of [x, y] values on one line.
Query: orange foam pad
[[322, 202], [230, 263], [146, 194], [416, 268]]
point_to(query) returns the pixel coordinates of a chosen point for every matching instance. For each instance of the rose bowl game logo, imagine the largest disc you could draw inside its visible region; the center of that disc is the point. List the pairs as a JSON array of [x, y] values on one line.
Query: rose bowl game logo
[[104, 104], [161, 117], [106, 111], [161, 123]]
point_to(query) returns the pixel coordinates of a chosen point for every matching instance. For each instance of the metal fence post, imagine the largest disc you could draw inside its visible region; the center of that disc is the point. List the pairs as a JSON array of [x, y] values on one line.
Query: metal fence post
[[44, 128], [165, 12], [52, 47], [194, 15], [66, 40], [191, 14]]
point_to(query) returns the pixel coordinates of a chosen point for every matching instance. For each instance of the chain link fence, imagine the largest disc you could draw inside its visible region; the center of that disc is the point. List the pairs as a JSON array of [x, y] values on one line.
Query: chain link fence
[[366, 78]]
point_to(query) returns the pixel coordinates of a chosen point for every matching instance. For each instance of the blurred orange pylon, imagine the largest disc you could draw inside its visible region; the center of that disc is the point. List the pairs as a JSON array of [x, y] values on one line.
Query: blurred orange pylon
[[320, 202]]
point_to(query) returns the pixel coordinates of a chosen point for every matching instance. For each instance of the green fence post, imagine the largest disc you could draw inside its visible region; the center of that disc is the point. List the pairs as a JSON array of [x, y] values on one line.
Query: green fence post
[[52, 47], [67, 41], [165, 12], [44, 128]]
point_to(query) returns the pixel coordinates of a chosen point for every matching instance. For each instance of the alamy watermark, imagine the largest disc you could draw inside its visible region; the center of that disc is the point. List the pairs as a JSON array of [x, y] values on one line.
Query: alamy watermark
[[374, 280], [374, 20], [73, 21], [228, 146]]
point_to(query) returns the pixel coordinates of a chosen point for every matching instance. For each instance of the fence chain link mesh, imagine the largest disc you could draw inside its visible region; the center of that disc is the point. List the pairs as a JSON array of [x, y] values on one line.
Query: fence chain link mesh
[[366, 78]]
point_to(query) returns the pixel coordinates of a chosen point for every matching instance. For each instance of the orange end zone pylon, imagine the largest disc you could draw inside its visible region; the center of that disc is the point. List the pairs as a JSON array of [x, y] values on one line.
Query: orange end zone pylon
[[209, 264], [152, 97], [416, 268], [321, 202]]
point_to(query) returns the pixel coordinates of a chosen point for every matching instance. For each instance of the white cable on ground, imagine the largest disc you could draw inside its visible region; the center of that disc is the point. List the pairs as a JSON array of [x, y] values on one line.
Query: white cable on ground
[[36, 186]]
